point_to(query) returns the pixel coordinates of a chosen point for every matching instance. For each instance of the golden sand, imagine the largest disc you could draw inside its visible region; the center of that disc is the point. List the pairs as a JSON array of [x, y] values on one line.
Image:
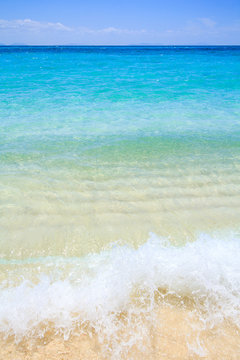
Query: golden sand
[[173, 336]]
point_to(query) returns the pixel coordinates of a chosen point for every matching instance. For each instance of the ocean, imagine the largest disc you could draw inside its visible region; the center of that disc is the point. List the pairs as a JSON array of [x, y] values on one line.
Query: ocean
[[119, 202]]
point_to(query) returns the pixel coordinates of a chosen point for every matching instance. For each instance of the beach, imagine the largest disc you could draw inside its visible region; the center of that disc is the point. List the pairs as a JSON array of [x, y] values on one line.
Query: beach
[[119, 203], [178, 335]]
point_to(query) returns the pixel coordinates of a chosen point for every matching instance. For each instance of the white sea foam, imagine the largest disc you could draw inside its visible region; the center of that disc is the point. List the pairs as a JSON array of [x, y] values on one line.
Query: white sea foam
[[101, 286]]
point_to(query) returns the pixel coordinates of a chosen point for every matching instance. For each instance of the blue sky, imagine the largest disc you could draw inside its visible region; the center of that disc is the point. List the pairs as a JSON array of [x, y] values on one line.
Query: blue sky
[[109, 22]]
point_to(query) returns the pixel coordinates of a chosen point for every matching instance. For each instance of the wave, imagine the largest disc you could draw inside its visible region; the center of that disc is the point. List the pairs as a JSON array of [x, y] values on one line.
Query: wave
[[122, 287]]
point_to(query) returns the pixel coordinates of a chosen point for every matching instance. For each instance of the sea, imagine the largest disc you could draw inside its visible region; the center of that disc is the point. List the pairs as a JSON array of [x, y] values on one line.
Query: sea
[[120, 202]]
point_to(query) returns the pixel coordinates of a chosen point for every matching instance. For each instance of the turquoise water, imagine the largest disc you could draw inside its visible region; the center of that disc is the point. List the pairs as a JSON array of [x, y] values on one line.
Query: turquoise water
[[74, 100], [100, 145]]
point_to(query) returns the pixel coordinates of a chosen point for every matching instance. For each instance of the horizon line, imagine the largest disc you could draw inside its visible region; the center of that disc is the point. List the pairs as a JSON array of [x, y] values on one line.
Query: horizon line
[[115, 45]]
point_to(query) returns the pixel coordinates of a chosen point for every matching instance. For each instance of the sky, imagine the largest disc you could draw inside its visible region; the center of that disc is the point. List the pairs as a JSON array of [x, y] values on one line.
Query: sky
[[120, 22]]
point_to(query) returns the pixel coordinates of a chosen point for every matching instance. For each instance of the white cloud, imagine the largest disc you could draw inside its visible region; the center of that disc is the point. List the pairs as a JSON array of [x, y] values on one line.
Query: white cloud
[[108, 30], [197, 31], [209, 23], [29, 31], [200, 31], [28, 24], [112, 30]]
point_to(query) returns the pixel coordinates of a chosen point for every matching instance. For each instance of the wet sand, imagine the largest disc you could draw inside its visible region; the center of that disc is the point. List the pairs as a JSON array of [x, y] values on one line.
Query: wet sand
[[176, 334]]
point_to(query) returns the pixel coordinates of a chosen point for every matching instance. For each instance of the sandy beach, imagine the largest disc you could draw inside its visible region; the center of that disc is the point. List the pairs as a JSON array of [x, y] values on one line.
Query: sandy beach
[[176, 334]]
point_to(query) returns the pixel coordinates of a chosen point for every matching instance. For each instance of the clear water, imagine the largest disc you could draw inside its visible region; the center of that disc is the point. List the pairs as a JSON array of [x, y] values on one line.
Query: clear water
[[100, 145]]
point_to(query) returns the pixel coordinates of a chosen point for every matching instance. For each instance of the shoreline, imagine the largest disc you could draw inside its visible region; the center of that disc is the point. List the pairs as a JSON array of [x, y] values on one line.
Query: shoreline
[[175, 334]]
